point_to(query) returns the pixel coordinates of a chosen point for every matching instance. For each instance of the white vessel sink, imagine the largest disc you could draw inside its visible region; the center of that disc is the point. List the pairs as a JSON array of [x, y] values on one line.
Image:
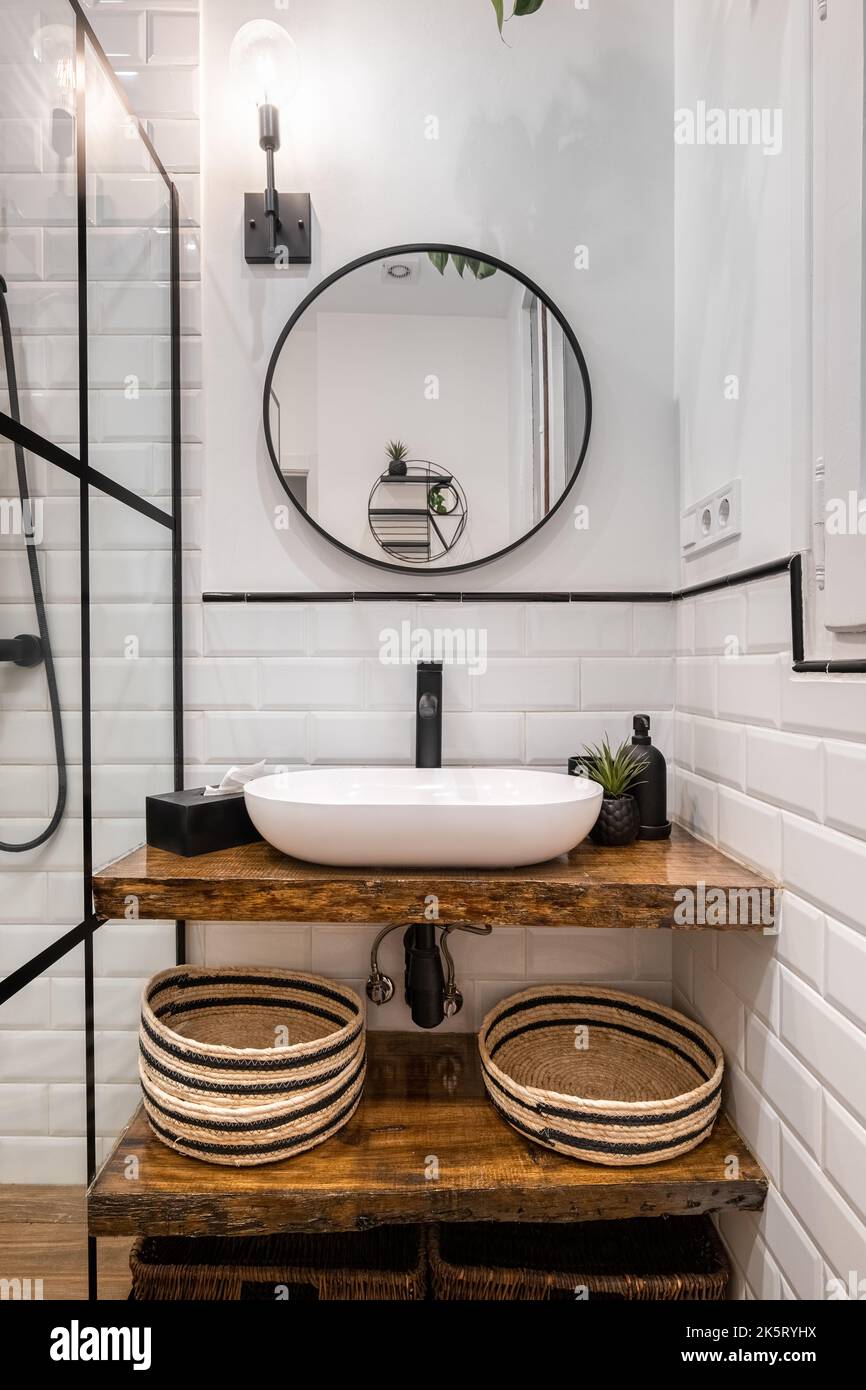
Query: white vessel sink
[[454, 817]]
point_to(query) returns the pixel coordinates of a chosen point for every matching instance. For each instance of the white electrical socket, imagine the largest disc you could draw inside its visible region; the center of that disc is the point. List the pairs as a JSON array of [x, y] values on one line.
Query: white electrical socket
[[711, 521]]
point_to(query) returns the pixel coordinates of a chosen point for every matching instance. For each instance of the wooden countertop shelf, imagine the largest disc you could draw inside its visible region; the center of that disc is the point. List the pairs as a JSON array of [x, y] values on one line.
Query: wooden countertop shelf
[[424, 1104], [591, 887]]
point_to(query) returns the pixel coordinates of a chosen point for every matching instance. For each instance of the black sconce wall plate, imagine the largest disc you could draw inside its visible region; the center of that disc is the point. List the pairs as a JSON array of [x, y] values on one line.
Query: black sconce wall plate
[[294, 230]]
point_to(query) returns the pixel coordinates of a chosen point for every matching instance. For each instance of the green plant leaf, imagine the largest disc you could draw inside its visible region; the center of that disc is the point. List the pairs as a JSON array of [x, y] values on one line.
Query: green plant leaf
[[616, 770], [473, 265], [499, 7], [459, 264], [439, 259], [526, 6], [485, 270]]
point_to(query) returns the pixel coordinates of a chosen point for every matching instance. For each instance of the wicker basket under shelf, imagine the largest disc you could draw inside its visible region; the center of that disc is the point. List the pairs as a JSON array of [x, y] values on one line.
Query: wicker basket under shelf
[[600, 1075], [671, 1259], [386, 1263], [243, 1066]]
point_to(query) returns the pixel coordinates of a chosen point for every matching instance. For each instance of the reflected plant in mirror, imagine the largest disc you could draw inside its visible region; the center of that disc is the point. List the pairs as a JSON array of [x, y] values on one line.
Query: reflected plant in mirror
[[427, 406]]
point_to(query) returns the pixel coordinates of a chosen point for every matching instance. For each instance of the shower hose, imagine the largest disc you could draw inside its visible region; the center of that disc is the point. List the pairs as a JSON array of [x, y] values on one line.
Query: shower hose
[[38, 596]]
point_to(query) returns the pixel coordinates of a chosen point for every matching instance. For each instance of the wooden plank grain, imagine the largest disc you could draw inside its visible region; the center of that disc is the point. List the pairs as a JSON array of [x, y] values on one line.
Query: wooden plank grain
[[425, 1145], [591, 886]]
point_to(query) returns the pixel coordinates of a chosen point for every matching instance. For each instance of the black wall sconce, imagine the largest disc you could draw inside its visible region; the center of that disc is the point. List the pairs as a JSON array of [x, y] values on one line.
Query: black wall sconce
[[265, 64]]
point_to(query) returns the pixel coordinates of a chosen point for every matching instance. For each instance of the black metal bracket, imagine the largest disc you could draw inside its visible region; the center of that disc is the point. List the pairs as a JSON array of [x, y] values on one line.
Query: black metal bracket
[[293, 232]]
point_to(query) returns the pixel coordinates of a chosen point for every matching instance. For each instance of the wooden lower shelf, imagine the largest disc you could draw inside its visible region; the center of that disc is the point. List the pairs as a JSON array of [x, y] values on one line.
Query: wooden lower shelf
[[424, 1102]]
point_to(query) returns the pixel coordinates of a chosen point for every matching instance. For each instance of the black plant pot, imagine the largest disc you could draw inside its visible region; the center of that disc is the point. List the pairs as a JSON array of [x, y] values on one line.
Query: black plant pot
[[397, 468], [618, 821]]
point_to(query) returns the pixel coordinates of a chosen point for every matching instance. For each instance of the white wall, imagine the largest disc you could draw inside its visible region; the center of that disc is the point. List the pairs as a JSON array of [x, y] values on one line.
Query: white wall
[[769, 764], [742, 287], [561, 138], [770, 767]]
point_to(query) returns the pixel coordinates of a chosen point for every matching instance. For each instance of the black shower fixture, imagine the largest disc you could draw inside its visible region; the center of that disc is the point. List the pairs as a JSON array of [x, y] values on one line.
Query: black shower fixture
[[25, 650]]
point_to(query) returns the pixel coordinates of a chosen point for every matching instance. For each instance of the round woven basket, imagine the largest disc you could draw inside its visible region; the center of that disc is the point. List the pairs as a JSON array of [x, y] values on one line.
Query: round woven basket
[[600, 1075], [243, 1066]]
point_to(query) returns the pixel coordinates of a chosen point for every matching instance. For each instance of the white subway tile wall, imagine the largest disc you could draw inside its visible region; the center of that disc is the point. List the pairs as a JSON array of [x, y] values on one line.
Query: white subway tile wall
[[155, 48], [788, 1008]]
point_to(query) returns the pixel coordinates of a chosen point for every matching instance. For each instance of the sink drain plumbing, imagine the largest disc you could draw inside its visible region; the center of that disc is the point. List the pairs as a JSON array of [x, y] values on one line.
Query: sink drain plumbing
[[430, 987]]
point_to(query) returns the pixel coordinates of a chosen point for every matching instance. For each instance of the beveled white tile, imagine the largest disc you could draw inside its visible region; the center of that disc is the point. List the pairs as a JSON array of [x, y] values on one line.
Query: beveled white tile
[[720, 624], [551, 739], [831, 705], [845, 772], [312, 683], [789, 1086], [785, 769], [172, 37], [261, 944], [826, 867], [22, 252], [846, 969], [768, 627], [361, 737], [363, 629], [696, 684], [824, 1040], [177, 143], [845, 1153], [482, 738], [579, 629], [684, 741], [527, 685], [721, 1010], [654, 629], [393, 687], [696, 805], [719, 751], [578, 953], [753, 1116], [229, 683], [162, 91], [254, 629], [749, 689], [751, 831], [834, 1226], [238, 737], [800, 942], [641, 683]]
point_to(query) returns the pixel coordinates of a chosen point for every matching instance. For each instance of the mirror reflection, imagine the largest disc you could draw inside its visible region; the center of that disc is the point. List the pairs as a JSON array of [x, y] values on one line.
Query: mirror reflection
[[427, 408]]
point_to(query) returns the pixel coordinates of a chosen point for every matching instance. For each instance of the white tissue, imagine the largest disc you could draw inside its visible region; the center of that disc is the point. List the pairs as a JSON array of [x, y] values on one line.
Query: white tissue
[[237, 777]]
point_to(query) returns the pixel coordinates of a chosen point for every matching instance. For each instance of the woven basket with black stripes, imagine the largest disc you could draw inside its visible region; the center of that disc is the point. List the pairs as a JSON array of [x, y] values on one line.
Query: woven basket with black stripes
[[243, 1066], [601, 1075]]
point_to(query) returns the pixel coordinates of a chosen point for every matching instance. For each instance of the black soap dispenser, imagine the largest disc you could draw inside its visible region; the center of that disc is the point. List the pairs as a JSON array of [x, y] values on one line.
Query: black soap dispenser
[[651, 791]]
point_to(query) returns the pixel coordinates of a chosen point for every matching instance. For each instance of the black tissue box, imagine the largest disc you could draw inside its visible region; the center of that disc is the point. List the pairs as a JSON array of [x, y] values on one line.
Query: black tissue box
[[190, 823]]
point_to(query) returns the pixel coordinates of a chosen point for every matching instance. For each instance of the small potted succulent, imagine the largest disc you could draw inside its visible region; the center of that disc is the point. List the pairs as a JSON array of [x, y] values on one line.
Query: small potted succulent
[[616, 771], [397, 453]]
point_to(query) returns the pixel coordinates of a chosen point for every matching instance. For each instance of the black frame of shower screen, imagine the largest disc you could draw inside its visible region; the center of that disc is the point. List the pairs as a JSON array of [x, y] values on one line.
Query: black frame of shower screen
[[89, 477]]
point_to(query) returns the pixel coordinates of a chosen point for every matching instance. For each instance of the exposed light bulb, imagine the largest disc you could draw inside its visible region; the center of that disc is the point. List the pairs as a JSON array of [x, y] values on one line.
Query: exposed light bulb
[[64, 74], [54, 50], [265, 63]]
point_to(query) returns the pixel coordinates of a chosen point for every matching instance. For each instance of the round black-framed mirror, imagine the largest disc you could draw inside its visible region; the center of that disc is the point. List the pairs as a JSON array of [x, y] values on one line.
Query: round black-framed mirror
[[513, 436]]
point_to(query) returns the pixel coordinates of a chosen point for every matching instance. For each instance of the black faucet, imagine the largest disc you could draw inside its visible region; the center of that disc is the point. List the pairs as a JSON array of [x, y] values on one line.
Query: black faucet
[[428, 714]]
